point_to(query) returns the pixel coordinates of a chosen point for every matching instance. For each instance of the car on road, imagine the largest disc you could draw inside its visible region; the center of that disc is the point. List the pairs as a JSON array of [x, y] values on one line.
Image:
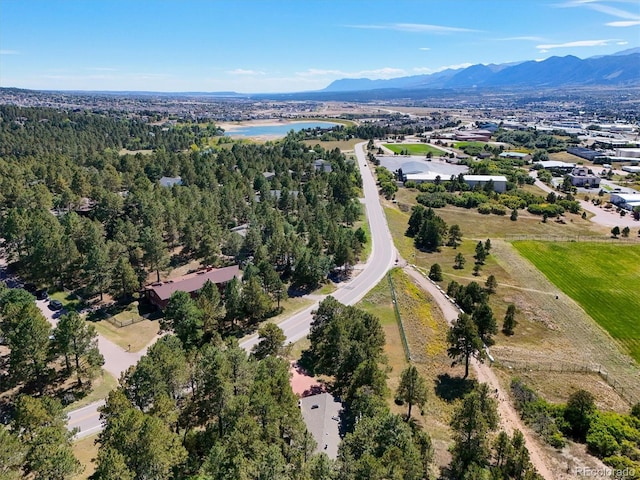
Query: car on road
[[55, 305], [42, 294]]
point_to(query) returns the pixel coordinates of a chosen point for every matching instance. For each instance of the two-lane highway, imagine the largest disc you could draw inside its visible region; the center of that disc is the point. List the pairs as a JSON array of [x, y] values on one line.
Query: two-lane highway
[[383, 255]]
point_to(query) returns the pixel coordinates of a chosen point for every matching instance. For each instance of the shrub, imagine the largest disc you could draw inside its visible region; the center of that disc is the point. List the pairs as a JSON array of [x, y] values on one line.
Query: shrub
[[435, 273], [498, 209], [484, 209], [551, 209], [630, 468]]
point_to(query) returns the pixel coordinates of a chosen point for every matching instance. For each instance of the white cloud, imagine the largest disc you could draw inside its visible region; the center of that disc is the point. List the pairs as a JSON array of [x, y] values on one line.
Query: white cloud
[[376, 74], [623, 23], [442, 68], [579, 43], [631, 19], [414, 28], [523, 38], [424, 49], [622, 43], [242, 71], [9, 52]]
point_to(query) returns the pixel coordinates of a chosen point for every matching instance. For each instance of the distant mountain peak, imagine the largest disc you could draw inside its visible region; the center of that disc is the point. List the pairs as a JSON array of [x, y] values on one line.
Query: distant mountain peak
[[555, 71]]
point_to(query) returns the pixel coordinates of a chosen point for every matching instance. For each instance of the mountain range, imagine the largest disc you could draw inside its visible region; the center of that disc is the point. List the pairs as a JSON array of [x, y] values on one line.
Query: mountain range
[[619, 69]]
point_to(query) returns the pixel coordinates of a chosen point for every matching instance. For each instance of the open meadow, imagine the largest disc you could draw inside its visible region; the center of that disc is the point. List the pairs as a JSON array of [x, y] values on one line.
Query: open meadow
[[604, 278], [413, 148], [554, 333]]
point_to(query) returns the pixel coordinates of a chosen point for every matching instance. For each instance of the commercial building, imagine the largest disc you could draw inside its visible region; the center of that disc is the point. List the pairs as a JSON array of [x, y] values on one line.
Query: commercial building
[[516, 155], [626, 200], [499, 181], [586, 153], [557, 166], [582, 176]]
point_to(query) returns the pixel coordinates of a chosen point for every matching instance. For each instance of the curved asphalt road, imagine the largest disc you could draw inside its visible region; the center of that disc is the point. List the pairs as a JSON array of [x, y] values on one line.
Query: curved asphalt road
[[383, 255], [382, 258]]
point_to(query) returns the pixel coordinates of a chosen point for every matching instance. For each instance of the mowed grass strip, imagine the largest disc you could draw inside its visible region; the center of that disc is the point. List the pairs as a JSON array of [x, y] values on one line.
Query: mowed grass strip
[[414, 148], [603, 278]]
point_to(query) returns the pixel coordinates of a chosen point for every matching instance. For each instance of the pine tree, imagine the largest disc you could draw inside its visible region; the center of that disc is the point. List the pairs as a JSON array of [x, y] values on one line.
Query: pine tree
[[481, 254], [412, 388], [491, 284], [509, 320], [464, 342]]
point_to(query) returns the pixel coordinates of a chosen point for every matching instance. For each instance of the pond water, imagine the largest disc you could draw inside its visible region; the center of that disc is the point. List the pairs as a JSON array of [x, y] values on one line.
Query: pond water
[[280, 130]]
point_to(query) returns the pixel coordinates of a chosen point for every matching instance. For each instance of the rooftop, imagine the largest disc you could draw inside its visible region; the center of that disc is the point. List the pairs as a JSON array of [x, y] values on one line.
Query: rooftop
[[321, 414], [195, 282], [170, 181]]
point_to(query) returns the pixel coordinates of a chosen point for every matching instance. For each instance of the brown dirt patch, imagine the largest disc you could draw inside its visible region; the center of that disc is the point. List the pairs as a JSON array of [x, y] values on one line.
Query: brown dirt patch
[[302, 383]]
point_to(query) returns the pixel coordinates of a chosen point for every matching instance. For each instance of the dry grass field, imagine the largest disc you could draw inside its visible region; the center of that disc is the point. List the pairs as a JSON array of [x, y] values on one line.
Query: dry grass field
[[425, 330], [85, 451], [551, 332], [137, 335]]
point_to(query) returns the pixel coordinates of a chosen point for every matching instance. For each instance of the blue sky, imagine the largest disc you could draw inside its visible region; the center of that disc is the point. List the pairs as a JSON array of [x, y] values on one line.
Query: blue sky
[[289, 45]]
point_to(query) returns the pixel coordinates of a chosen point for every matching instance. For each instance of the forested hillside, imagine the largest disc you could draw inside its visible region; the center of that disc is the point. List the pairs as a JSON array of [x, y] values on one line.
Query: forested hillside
[[78, 214]]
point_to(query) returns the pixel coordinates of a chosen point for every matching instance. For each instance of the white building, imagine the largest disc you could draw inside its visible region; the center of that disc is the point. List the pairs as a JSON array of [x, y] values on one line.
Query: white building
[[628, 152], [556, 165], [499, 181], [626, 200]]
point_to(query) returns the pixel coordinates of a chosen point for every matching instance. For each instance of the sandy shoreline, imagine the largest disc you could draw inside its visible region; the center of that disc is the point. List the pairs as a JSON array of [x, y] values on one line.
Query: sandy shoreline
[[231, 126]]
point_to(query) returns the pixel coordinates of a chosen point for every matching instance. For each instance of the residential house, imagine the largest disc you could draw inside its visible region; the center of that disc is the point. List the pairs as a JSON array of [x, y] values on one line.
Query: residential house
[[322, 166], [159, 293], [170, 181], [321, 414]]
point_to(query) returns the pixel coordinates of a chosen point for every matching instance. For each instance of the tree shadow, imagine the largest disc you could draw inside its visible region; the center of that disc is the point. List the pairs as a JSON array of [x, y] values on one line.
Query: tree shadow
[[294, 292], [450, 388]]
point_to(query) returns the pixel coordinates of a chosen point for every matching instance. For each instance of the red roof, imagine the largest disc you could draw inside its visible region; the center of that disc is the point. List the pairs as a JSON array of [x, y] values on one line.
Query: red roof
[[195, 282]]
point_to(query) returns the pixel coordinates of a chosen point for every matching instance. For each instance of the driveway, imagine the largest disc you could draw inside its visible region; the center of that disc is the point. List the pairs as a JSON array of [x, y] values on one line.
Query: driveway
[[601, 216]]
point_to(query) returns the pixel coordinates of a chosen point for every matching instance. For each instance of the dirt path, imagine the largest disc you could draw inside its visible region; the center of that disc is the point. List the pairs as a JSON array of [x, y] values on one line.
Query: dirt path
[[509, 418], [503, 284]]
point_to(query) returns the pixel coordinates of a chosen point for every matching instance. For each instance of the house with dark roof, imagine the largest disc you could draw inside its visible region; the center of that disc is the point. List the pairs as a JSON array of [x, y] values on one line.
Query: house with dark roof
[[321, 414], [322, 166], [159, 293]]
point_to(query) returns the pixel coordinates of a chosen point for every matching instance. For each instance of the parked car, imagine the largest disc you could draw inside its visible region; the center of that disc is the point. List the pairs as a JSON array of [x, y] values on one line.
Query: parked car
[[42, 294], [30, 287], [55, 305]]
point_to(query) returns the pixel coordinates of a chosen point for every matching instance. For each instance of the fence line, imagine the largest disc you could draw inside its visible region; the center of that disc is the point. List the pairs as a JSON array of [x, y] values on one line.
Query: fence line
[[118, 323], [405, 344], [568, 238], [562, 367]]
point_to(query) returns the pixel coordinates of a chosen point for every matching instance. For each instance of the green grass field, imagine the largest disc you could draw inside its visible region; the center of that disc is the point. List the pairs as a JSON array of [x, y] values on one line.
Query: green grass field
[[604, 278], [469, 144], [414, 148]]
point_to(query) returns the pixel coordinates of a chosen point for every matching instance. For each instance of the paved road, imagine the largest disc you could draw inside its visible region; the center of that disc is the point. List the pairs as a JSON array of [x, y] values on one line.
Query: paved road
[[382, 258], [601, 216]]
